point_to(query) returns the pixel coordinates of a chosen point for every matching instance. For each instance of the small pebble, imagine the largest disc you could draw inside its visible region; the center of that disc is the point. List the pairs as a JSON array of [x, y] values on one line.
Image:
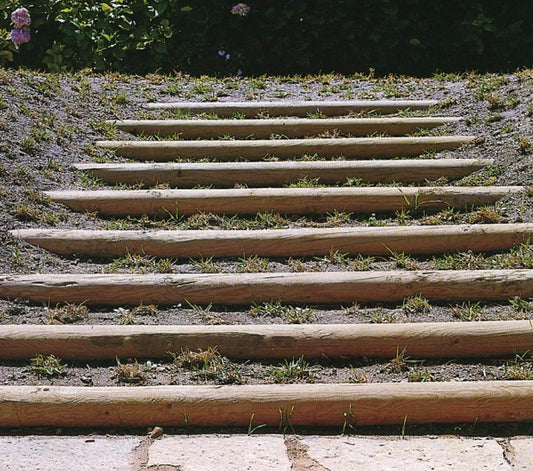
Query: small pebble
[[156, 432]]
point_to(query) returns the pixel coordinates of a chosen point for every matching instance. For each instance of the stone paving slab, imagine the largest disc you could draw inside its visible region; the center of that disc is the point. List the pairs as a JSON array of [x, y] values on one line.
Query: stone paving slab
[[263, 453], [520, 452], [41, 453], [221, 452], [414, 454]]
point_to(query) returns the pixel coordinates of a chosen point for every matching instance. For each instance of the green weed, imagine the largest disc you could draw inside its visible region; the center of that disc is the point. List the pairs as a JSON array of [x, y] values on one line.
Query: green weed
[[291, 371], [252, 264], [469, 312], [47, 365], [415, 305], [129, 372], [298, 315], [68, 313], [520, 368], [206, 265], [140, 264], [268, 309], [207, 365]]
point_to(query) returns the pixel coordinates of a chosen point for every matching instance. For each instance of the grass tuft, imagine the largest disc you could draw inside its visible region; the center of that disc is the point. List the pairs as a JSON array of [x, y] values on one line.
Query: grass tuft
[[129, 372], [207, 365], [291, 371], [416, 305], [47, 365], [68, 313]]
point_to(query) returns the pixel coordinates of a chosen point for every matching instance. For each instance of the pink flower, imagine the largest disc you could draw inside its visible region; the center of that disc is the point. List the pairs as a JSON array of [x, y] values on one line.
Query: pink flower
[[21, 18], [20, 35], [240, 9]]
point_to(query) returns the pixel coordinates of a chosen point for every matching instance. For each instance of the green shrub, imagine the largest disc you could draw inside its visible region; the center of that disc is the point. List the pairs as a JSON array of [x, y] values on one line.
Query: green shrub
[[293, 36]]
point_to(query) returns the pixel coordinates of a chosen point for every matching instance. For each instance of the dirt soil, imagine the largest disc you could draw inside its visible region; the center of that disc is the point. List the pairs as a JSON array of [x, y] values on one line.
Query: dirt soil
[[50, 122]]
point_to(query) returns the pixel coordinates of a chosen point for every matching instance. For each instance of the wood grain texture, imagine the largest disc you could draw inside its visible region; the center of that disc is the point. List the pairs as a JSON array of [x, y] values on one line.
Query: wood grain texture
[[349, 147], [302, 404], [296, 108], [264, 128], [280, 200], [420, 340], [222, 174], [280, 242], [243, 289]]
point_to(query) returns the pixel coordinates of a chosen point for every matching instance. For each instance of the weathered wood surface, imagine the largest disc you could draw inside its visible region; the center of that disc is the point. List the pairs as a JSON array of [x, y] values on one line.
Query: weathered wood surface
[[265, 128], [244, 288], [420, 340], [280, 242], [352, 147], [223, 174], [297, 404], [281, 200], [296, 108]]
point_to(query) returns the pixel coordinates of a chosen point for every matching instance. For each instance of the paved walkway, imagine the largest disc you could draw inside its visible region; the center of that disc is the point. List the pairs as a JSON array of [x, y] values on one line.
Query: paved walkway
[[263, 453]]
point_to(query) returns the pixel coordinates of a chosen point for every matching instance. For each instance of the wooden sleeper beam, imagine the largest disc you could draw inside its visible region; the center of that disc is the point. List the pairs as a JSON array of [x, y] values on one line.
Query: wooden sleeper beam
[[246, 288], [256, 174], [265, 128], [420, 340], [295, 108], [280, 242], [349, 147], [297, 404], [281, 200]]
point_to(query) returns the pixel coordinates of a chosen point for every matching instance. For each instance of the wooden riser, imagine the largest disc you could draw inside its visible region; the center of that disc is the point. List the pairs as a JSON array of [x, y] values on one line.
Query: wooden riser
[[293, 128], [356, 147], [247, 342], [280, 242], [280, 200], [277, 405], [244, 289], [223, 174], [296, 108]]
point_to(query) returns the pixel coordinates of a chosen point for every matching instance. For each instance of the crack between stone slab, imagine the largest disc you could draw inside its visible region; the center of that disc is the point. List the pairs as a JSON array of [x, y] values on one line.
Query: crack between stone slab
[[299, 457], [141, 457], [507, 450]]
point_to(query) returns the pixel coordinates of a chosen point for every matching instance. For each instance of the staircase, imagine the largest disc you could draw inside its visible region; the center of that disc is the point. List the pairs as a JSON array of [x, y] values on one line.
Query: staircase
[[279, 165]]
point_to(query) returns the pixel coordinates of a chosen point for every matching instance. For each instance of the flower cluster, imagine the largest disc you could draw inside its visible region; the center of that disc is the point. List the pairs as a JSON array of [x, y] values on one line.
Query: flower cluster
[[21, 18], [240, 9], [22, 21], [222, 53]]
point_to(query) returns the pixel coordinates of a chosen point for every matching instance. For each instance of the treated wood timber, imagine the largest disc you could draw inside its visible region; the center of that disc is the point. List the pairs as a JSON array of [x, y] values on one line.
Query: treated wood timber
[[281, 200], [420, 340], [264, 128], [280, 173], [296, 108], [280, 242], [350, 147], [245, 288], [301, 404]]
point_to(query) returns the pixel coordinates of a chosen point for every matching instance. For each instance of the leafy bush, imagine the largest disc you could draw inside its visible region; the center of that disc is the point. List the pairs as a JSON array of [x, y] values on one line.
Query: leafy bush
[[293, 36]]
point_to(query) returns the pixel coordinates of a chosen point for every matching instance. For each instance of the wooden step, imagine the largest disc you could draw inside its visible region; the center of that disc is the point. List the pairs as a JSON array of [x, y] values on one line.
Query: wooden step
[[295, 108], [277, 405], [246, 288], [280, 242], [264, 128], [280, 200], [280, 173], [247, 342], [353, 147]]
